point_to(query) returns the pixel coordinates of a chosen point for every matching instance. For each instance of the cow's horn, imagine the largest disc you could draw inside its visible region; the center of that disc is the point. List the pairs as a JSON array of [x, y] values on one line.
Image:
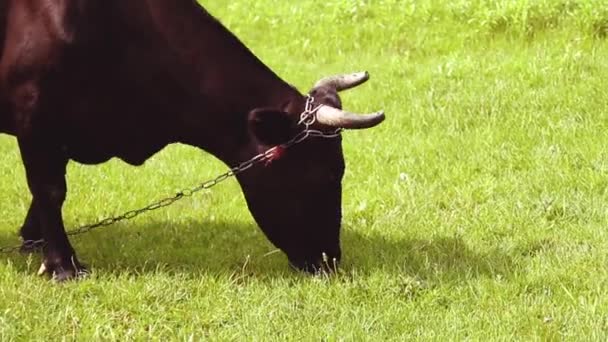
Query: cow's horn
[[334, 117], [343, 82]]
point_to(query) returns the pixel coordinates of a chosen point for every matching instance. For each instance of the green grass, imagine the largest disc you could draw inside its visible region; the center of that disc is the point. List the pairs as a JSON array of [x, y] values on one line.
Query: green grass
[[477, 210]]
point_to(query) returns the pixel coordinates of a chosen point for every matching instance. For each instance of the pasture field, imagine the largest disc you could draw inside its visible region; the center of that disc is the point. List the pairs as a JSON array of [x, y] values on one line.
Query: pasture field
[[478, 210]]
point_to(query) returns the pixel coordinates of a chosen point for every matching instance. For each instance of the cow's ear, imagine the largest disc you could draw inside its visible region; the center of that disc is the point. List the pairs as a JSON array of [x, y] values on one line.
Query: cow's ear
[[270, 126]]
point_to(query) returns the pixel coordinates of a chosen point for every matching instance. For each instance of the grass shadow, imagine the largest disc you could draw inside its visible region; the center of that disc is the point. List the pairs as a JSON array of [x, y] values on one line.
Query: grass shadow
[[438, 257], [219, 248]]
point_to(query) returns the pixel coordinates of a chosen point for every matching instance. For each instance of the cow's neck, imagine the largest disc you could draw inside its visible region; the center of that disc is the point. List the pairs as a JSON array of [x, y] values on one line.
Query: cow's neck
[[226, 79]]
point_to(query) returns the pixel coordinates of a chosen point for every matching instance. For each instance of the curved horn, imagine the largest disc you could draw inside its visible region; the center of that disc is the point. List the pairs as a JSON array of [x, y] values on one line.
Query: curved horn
[[343, 82], [334, 117]]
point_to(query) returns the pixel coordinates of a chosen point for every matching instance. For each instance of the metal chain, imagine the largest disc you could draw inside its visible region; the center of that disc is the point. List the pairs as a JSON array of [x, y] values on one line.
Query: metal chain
[[309, 115], [263, 157]]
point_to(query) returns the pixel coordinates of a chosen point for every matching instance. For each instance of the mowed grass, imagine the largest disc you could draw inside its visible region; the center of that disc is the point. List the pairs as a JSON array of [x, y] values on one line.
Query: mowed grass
[[478, 210]]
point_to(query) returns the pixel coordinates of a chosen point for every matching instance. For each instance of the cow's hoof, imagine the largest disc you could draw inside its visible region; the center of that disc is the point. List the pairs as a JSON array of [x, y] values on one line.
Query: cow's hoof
[[61, 273]]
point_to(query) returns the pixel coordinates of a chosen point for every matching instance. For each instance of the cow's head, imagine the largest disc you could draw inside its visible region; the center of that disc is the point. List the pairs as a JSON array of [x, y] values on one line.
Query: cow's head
[[296, 200]]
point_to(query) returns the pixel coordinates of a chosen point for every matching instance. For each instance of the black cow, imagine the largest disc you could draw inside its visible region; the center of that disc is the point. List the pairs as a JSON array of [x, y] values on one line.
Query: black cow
[[88, 80]]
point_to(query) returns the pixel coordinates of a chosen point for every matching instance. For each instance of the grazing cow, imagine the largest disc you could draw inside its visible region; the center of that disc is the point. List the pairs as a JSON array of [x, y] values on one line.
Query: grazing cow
[[88, 80]]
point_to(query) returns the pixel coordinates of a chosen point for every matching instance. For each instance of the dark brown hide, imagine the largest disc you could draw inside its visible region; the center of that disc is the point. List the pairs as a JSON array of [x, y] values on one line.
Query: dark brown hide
[[88, 80], [5, 118]]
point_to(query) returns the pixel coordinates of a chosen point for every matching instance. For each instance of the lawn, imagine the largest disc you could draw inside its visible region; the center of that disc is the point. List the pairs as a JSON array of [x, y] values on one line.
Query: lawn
[[477, 211]]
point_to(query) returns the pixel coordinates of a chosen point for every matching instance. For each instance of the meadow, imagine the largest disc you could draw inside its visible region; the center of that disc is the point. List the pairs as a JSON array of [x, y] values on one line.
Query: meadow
[[478, 210]]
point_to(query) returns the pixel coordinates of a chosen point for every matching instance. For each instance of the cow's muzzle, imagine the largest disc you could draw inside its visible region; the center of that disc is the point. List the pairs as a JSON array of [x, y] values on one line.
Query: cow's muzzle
[[324, 263]]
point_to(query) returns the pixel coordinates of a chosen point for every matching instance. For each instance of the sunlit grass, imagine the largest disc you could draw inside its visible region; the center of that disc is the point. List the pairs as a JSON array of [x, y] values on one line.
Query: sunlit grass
[[476, 211]]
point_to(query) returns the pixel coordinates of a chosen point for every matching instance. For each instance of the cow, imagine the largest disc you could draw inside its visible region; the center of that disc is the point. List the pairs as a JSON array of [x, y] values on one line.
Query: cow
[[90, 80]]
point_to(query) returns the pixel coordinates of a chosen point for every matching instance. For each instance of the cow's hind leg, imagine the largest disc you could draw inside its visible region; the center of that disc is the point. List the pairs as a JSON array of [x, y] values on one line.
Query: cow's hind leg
[[45, 168]]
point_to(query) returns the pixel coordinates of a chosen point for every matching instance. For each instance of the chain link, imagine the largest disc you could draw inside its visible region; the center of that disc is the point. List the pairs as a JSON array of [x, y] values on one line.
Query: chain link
[[263, 157], [309, 115]]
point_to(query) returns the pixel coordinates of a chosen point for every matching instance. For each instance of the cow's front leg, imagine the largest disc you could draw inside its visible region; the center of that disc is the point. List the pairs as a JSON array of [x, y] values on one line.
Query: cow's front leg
[[30, 230], [45, 169]]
